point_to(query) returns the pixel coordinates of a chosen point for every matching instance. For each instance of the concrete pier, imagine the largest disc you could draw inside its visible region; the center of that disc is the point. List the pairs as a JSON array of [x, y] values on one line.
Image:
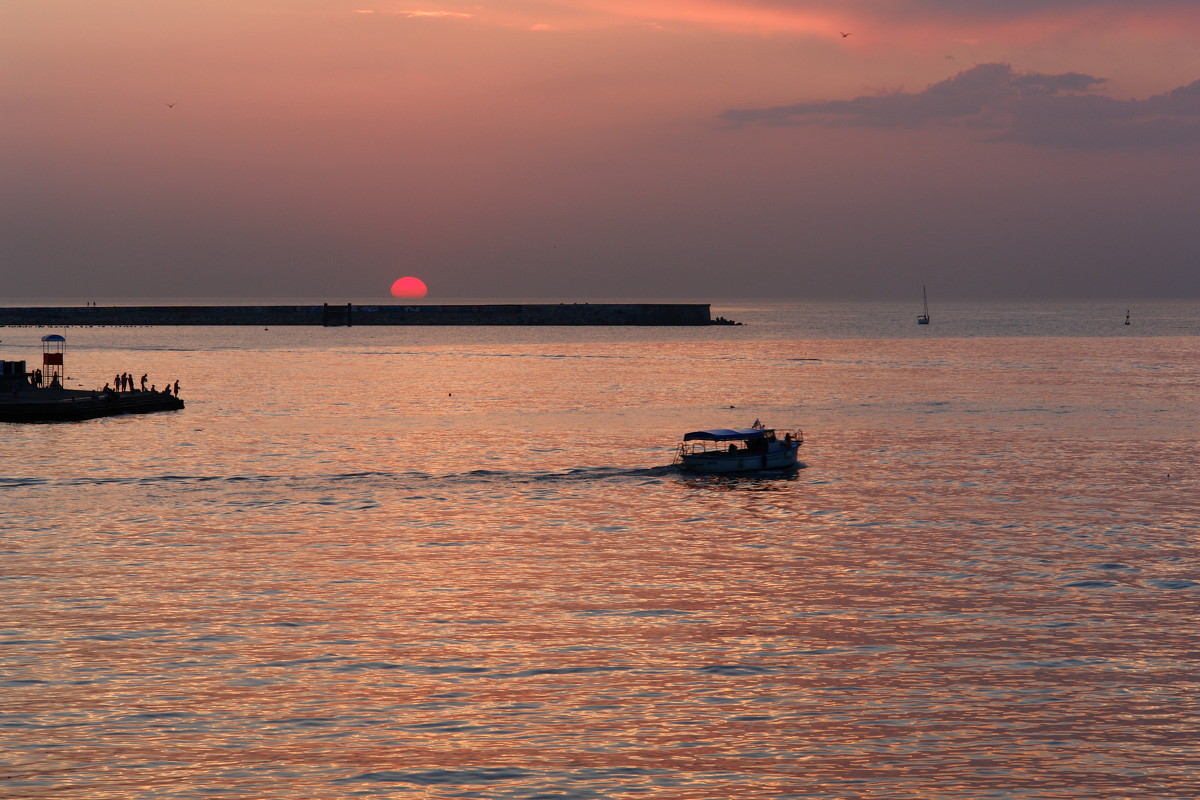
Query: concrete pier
[[35, 404], [330, 315]]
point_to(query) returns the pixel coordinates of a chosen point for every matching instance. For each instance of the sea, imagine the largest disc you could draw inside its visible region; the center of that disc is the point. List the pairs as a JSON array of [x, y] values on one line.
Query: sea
[[458, 562]]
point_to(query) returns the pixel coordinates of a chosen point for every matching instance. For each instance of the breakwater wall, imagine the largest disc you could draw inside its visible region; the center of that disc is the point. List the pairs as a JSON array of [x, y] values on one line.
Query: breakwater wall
[[330, 315]]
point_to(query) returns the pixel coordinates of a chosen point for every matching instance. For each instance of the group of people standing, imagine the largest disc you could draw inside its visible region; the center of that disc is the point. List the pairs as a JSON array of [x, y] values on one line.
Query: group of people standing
[[124, 383], [20, 382]]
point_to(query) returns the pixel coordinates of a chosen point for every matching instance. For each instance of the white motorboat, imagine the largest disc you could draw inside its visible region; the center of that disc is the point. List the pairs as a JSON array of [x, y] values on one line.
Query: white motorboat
[[740, 449]]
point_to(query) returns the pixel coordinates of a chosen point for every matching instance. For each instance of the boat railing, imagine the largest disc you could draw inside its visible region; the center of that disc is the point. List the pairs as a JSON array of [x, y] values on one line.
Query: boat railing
[[711, 447], [789, 434]]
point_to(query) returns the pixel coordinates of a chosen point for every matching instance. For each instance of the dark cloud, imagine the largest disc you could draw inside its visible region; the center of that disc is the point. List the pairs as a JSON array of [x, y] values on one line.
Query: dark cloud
[[1050, 110]]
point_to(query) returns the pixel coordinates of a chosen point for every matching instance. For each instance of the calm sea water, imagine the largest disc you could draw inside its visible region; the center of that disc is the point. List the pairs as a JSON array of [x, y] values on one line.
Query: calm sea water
[[457, 562]]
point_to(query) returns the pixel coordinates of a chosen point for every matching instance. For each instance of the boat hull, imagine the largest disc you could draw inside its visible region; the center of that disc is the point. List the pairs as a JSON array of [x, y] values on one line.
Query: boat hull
[[714, 462]]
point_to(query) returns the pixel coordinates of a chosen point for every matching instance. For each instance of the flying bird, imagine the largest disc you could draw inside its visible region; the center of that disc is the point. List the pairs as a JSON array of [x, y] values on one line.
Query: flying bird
[[844, 35], [170, 105]]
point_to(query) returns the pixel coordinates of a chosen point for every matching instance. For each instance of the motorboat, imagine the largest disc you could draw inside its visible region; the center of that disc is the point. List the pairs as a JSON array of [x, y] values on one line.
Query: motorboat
[[739, 449]]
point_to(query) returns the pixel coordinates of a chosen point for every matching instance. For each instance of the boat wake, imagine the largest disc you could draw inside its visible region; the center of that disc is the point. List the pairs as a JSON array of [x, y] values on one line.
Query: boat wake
[[399, 480], [405, 478]]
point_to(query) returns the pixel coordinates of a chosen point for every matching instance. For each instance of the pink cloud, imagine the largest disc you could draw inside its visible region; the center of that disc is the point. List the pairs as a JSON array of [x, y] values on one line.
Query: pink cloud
[[874, 27], [1037, 18]]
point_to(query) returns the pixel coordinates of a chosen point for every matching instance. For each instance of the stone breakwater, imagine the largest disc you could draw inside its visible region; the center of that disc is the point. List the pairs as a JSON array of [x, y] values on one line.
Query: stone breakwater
[[330, 315]]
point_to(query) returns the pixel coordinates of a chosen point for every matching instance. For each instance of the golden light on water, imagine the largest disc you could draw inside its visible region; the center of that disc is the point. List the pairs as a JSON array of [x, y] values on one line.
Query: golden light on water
[[480, 575]]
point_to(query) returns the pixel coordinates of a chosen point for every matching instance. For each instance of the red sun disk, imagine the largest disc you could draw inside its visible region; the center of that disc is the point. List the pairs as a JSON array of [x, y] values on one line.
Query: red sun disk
[[409, 287]]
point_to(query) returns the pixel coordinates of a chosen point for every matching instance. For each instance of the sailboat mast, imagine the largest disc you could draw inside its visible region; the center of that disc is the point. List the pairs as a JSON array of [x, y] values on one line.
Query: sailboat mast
[[924, 318]]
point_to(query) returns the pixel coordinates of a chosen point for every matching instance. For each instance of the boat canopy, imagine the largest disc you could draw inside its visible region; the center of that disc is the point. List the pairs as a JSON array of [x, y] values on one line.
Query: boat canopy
[[724, 434]]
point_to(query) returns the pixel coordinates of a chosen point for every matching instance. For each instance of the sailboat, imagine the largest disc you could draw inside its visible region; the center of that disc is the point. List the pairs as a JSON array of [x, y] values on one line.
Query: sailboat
[[924, 318]]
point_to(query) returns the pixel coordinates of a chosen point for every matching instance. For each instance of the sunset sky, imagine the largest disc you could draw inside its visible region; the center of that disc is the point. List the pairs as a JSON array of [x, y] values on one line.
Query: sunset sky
[[600, 148]]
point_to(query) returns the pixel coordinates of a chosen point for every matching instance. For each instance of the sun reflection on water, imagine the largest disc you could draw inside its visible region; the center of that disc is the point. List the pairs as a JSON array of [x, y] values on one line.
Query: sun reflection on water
[[456, 584]]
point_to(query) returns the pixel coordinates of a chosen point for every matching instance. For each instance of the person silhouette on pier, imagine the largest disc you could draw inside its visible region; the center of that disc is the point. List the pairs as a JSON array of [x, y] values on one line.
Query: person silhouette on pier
[[144, 382]]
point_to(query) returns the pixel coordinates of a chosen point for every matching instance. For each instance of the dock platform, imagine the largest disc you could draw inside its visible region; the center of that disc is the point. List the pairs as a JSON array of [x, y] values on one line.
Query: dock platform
[[35, 404]]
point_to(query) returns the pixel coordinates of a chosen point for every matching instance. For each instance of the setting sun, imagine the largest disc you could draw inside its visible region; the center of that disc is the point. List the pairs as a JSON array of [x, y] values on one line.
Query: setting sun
[[409, 287]]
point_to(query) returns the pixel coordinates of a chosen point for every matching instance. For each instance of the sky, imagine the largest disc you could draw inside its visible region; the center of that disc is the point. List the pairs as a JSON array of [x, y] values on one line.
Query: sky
[[600, 148]]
